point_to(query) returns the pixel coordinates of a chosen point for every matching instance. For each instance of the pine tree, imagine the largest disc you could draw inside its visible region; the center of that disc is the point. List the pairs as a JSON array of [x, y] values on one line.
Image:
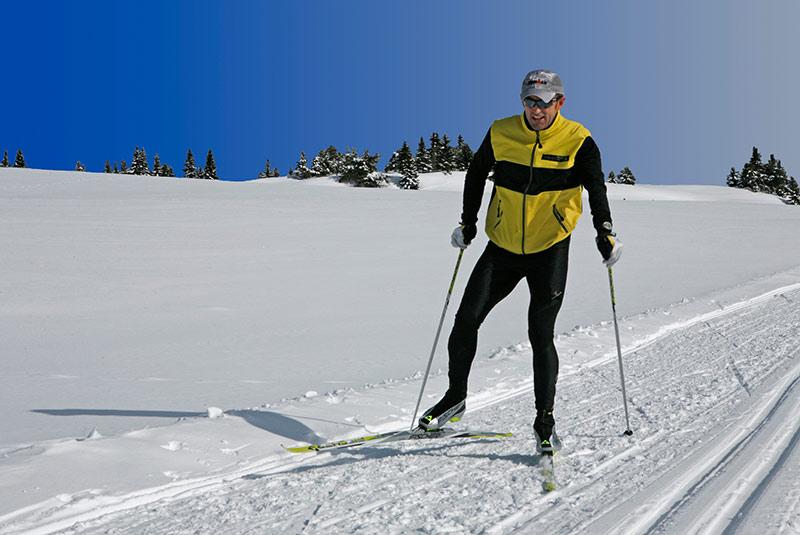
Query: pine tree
[[123, 167], [734, 179], [753, 176], [156, 165], [139, 166], [276, 173], [435, 152], [5, 162], [792, 192], [327, 163], [361, 170], [464, 155], [405, 165], [79, 166], [19, 161], [448, 156], [612, 178], [210, 170], [776, 180], [422, 158], [626, 177], [116, 170], [190, 168], [107, 168], [302, 171], [267, 172]]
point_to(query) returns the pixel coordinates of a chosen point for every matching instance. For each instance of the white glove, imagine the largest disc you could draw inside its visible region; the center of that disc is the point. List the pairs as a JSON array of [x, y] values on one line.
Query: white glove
[[616, 252], [463, 235]]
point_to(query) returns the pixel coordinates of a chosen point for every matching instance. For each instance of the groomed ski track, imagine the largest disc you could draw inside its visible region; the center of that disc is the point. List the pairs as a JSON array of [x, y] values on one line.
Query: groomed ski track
[[715, 409]]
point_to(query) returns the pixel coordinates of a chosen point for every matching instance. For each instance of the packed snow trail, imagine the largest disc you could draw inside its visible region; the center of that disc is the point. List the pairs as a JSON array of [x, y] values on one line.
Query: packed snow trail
[[714, 406]]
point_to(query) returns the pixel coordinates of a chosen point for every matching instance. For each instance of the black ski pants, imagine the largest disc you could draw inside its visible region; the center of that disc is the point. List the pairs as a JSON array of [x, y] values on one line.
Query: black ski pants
[[495, 275]]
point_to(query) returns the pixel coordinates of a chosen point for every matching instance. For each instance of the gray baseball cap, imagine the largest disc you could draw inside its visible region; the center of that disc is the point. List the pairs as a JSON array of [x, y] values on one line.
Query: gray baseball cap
[[542, 84]]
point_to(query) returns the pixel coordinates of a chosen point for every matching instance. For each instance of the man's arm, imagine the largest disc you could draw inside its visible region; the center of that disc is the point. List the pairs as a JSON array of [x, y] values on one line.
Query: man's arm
[[475, 181], [592, 178]]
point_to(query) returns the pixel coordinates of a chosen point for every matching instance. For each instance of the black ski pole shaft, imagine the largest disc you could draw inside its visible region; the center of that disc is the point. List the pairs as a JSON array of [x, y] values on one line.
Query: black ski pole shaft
[[436, 339], [628, 431]]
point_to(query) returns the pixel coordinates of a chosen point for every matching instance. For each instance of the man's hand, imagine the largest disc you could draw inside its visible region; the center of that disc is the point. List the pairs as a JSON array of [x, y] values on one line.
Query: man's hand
[[610, 248], [463, 235]]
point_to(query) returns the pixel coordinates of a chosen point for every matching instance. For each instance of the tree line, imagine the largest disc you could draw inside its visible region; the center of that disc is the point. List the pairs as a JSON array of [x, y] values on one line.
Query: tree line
[[140, 166], [362, 169], [769, 177]]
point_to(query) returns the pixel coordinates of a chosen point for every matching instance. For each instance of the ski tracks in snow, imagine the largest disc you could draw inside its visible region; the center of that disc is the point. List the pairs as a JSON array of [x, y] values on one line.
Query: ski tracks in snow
[[716, 413]]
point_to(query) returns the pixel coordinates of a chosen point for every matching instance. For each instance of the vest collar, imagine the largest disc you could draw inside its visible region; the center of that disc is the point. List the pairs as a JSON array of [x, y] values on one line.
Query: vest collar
[[558, 124]]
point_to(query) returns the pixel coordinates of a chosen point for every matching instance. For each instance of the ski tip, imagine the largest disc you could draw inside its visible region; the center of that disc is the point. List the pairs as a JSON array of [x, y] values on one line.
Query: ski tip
[[549, 486]]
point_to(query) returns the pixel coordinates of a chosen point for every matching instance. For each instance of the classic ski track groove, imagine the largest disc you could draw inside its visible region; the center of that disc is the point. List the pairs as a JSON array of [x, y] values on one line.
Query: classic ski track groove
[[779, 443], [567, 491], [522, 522]]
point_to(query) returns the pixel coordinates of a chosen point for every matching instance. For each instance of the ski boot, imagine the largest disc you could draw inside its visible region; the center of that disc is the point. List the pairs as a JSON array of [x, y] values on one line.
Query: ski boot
[[544, 429], [449, 409]]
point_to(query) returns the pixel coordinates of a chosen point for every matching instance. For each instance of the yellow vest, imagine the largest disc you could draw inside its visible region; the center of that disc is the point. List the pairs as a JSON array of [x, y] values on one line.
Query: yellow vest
[[536, 200]]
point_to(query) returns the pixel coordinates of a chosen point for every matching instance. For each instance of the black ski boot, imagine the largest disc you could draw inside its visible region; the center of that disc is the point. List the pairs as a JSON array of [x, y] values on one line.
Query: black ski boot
[[544, 428], [449, 409]]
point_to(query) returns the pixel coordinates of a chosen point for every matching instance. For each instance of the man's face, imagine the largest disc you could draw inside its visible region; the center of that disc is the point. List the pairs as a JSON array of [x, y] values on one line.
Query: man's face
[[538, 118]]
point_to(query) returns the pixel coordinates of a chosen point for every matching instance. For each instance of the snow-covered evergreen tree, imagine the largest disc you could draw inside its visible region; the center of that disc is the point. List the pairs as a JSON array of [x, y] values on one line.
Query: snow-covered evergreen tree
[[210, 170], [276, 173], [626, 177], [612, 177], [447, 156], [357, 169], [123, 167], [792, 192], [405, 164], [422, 158], [107, 168], [156, 166], [302, 170], [435, 152], [267, 172], [753, 176], [79, 166], [464, 155], [328, 162], [19, 161], [116, 169], [139, 165], [777, 180], [5, 162], [190, 169], [734, 179]]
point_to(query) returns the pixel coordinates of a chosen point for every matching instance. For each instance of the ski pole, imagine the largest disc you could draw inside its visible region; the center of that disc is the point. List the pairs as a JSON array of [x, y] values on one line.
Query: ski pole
[[436, 340], [628, 431]]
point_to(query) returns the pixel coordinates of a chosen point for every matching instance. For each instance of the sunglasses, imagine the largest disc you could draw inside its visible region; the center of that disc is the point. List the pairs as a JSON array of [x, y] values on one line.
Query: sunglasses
[[531, 103]]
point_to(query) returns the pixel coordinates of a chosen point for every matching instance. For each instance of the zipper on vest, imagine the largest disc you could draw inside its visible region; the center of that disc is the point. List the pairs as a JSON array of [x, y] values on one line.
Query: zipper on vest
[[527, 188], [559, 218]]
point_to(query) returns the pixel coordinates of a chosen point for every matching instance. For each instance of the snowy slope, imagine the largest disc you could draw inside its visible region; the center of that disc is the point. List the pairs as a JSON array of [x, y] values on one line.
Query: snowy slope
[[307, 312]]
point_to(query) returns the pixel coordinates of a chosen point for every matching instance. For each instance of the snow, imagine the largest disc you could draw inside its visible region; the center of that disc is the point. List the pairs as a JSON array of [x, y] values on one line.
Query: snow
[[161, 338]]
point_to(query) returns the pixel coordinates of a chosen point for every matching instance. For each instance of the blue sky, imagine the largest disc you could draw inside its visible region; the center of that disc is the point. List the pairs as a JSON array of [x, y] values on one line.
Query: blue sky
[[679, 91]]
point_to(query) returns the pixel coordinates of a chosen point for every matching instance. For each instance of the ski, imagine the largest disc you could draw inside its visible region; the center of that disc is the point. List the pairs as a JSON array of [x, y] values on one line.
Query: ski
[[395, 436], [548, 472]]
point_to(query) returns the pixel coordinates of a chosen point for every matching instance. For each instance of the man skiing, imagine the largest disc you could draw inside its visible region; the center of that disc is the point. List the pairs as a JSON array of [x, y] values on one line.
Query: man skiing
[[541, 162]]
